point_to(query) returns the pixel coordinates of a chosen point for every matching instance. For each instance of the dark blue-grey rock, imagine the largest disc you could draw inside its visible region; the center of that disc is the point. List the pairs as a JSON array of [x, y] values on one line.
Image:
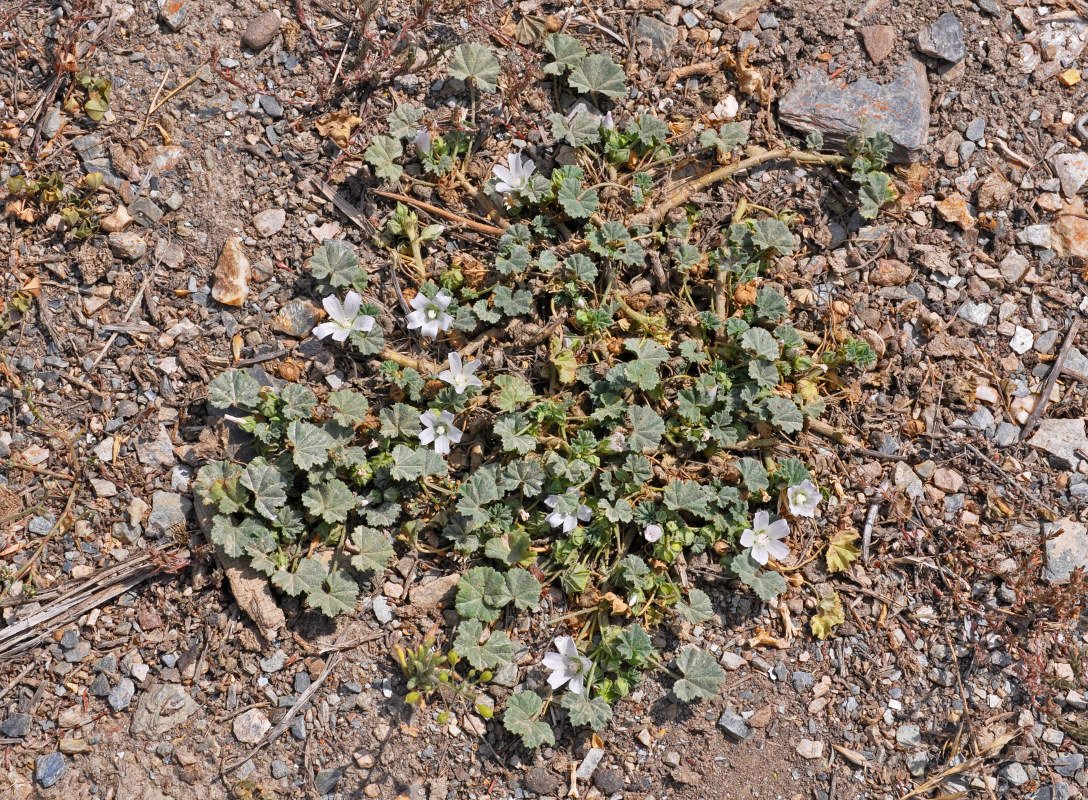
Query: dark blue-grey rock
[[326, 780], [279, 769], [100, 686], [1068, 764], [169, 512], [17, 725], [833, 108], [943, 39], [49, 769], [121, 696]]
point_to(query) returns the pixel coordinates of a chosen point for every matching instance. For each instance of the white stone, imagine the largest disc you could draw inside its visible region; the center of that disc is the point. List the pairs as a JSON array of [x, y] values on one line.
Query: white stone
[[1022, 340], [1072, 169], [810, 749]]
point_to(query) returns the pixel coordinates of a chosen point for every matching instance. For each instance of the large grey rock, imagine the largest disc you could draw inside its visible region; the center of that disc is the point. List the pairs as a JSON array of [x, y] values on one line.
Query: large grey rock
[[169, 512], [49, 769], [1065, 552], [162, 707], [818, 104], [943, 39], [663, 36], [734, 725]]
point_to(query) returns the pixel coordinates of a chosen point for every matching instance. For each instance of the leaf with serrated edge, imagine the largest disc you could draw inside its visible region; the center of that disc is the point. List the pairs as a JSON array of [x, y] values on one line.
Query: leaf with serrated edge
[[495, 653], [519, 719], [311, 444], [594, 712], [331, 500], [375, 552], [647, 428], [697, 609], [307, 578], [841, 551], [336, 262], [565, 49], [336, 597], [829, 615], [702, 675], [268, 487], [474, 61], [234, 388], [524, 589], [381, 155], [598, 74]]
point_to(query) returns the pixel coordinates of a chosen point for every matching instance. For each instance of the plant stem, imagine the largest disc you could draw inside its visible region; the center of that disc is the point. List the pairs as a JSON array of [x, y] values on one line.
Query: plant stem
[[653, 217]]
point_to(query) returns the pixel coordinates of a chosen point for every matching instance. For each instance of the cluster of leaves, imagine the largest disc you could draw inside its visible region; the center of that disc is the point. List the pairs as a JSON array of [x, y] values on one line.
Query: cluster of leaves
[[869, 149], [96, 96], [31, 198]]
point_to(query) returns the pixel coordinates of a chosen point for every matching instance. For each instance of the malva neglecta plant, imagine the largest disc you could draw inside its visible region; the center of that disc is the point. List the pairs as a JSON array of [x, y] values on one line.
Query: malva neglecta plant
[[640, 441]]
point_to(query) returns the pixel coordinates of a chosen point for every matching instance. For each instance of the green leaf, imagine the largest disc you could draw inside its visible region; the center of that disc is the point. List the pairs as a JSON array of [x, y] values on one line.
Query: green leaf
[[311, 444], [381, 155], [643, 375], [496, 652], [634, 645], [650, 131], [404, 121], [772, 234], [577, 131], [770, 304], [697, 609], [783, 414], [473, 61], [763, 372], [577, 203], [399, 420], [519, 719], [331, 500], [268, 486], [767, 584], [594, 712], [566, 52], [350, 406], [234, 388], [235, 539], [702, 675], [511, 430], [581, 267], [513, 391], [336, 597], [513, 304], [481, 594], [760, 343], [375, 552], [874, 193], [219, 483], [646, 428], [597, 74], [336, 262], [476, 492], [686, 496], [307, 577], [791, 471], [412, 463], [648, 350], [524, 589], [752, 475], [298, 401]]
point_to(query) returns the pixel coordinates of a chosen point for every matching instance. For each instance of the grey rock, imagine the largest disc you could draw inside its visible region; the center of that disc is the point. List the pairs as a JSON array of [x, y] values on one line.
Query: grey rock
[[40, 526], [175, 13], [908, 735], [302, 682], [1007, 434], [107, 664], [990, 7], [916, 764], [279, 769], [17, 725], [818, 104], [768, 21], [145, 212], [802, 680], [662, 35], [543, 782], [608, 781], [976, 129], [298, 729], [383, 612], [1014, 773], [159, 452], [161, 708], [943, 39], [296, 318], [275, 662], [50, 768], [121, 696], [732, 661], [1036, 235], [1066, 551], [965, 151], [982, 419], [1045, 342], [729, 11], [128, 245], [589, 764], [1072, 170], [270, 221], [734, 725], [169, 512], [1068, 764], [975, 313], [270, 105], [326, 780], [251, 726], [51, 125], [81, 652], [1014, 267], [100, 686], [70, 639], [261, 30]]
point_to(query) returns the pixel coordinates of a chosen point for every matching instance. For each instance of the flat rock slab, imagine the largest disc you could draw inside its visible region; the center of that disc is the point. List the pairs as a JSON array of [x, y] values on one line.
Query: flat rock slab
[[161, 708], [1061, 437], [943, 39], [818, 104], [1065, 552]]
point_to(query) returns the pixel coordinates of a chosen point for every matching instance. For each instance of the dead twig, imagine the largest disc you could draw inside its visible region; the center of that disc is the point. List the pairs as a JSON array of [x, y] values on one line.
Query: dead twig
[[128, 315], [1048, 513], [867, 532], [441, 212], [1051, 379]]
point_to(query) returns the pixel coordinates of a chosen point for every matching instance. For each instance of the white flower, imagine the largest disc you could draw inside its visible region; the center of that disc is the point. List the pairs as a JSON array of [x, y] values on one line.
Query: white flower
[[652, 533], [423, 141], [803, 499], [618, 442], [566, 521], [567, 665], [459, 375], [439, 430], [344, 318], [514, 177], [608, 123], [430, 314], [764, 537]]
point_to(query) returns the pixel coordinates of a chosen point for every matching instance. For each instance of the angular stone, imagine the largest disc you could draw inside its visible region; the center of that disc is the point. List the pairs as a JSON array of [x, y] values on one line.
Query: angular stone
[[662, 35], [975, 313], [16, 726], [251, 726], [231, 275], [296, 318], [589, 764], [121, 696], [261, 30], [1072, 171], [100, 686], [431, 593], [326, 780], [270, 221], [1068, 764], [145, 212], [729, 11], [50, 768], [817, 104], [279, 769], [807, 748], [128, 245], [1071, 233], [943, 39], [1065, 552], [169, 512], [162, 707], [175, 13], [954, 209], [879, 41], [1014, 773], [117, 221], [734, 725], [1061, 437], [908, 735], [976, 128], [73, 747], [1014, 267]]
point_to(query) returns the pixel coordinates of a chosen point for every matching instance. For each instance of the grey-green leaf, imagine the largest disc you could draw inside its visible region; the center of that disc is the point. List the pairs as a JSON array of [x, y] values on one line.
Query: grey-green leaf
[[524, 589], [336, 262], [307, 578], [375, 552], [475, 62], [331, 500], [519, 718], [598, 74], [566, 51], [268, 486], [234, 388], [702, 675], [336, 597], [647, 428], [381, 154], [496, 652], [311, 444], [594, 712]]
